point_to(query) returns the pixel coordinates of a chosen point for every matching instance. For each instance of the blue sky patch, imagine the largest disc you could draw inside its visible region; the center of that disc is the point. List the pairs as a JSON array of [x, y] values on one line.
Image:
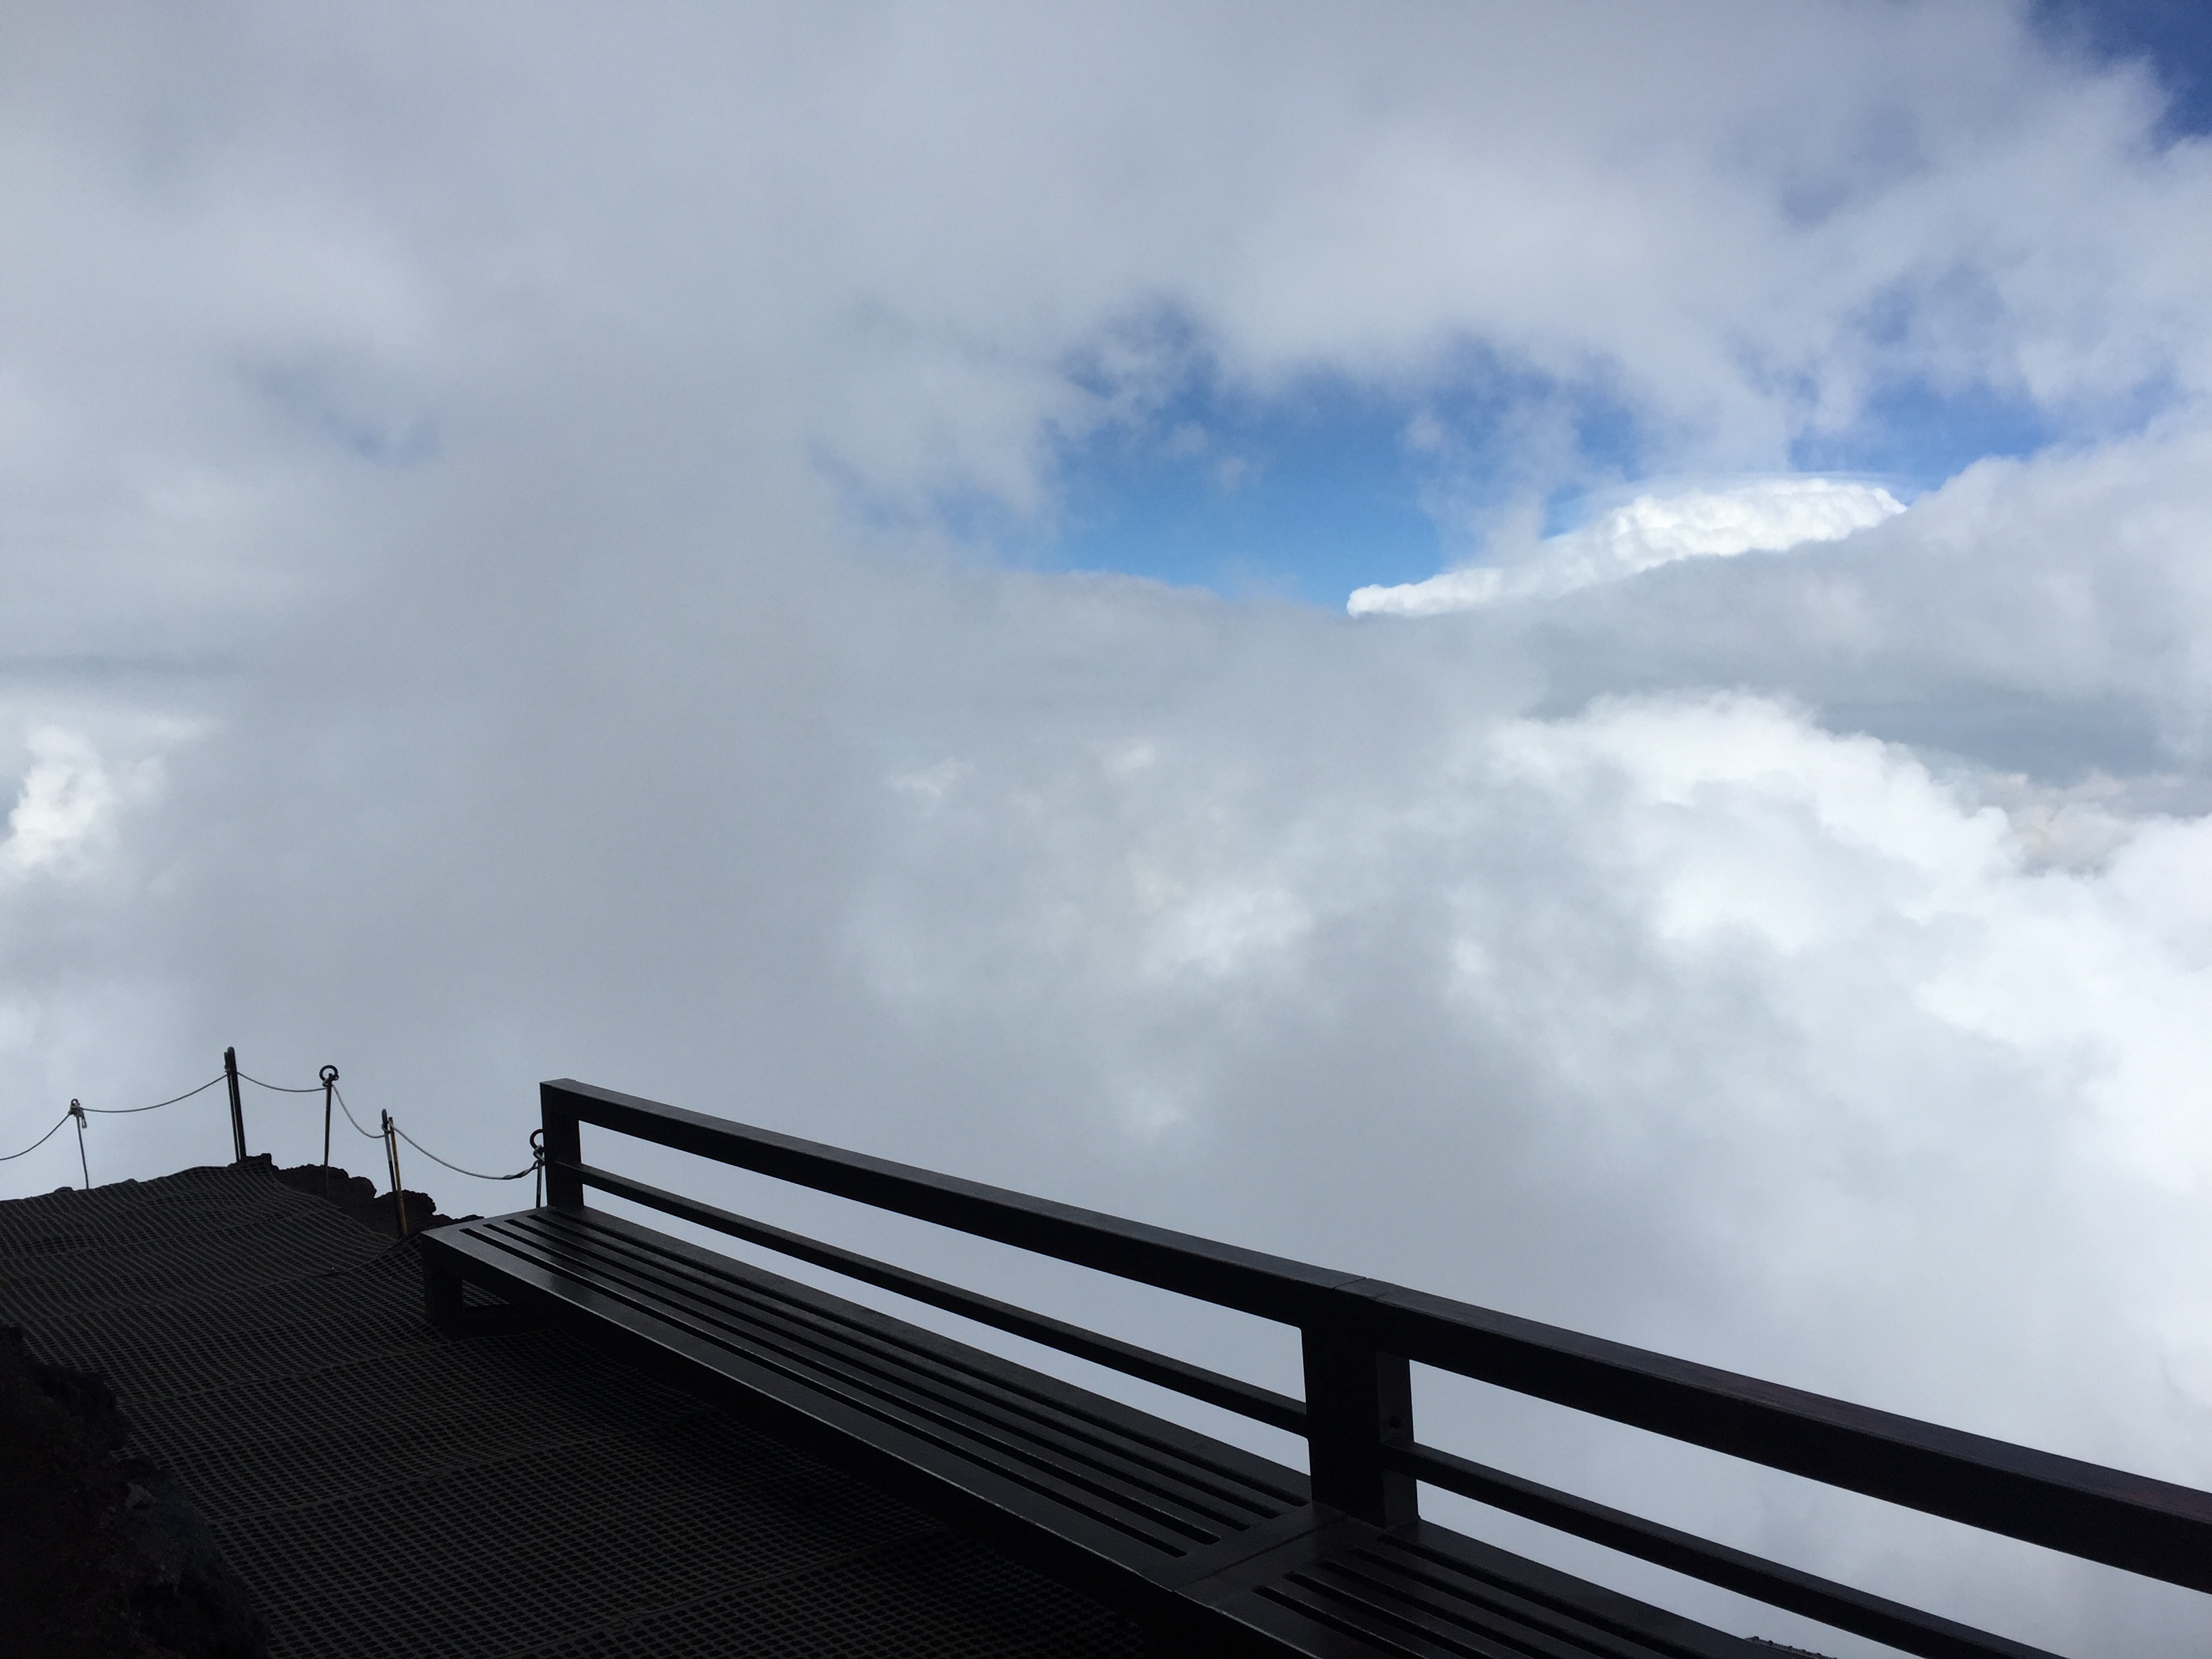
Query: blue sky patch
[[1308, 491], [2174, 36]]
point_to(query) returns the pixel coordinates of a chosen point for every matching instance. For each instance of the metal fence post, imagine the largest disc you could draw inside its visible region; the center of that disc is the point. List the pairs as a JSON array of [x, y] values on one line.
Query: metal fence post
[[564, 1143], [1358, 1401], [330, 1076], [392, 1160], [237, 1111]]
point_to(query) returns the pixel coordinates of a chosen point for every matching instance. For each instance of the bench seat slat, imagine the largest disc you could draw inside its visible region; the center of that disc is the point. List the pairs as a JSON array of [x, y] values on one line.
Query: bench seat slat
[[1140, 1524], [1187, 1533], [1193, 1381], [527, 1241], [1409, 1630], [918, 1392], [1273, 1487], [915, 1385], [1427, 1560], [1222, 1482], [1093, 1553], [1365, 1589], [1063, 1462]]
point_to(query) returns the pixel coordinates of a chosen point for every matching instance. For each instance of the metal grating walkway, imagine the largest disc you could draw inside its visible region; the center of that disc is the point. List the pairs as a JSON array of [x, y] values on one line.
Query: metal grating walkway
[[384, 1490]]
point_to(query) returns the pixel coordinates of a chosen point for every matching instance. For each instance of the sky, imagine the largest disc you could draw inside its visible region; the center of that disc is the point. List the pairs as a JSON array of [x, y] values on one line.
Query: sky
[[1555, 652]]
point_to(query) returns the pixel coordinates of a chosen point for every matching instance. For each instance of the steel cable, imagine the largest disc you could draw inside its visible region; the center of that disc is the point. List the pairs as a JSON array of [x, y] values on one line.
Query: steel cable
[[50, 1134], [125, 1111], [278, 1088], [372, 1134], [367, 1134], [456, 1167]]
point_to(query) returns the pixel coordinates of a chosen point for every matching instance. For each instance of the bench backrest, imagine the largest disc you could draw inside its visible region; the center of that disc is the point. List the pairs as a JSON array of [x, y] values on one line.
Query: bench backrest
[[1359, 1336]]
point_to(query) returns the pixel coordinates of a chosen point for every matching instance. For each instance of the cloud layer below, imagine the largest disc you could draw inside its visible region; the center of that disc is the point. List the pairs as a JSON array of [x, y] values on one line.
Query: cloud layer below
[[484, 506]]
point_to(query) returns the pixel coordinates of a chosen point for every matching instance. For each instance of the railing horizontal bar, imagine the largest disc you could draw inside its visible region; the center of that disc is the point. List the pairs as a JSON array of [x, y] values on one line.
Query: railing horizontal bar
[[1231, 1393], [2132, 1522], [1250, 1281], [2128, 1520], [1892, 1623]]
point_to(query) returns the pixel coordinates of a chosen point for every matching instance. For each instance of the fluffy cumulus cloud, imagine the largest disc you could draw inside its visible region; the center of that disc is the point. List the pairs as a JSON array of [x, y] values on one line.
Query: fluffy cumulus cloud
[[487, 510], [1770, 516], [67, 804]]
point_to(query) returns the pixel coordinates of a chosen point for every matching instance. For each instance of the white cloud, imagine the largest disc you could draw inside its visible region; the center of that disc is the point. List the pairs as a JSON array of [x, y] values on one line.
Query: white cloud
[[738, 245], [1770, 516], [66, 810], [1768, 1007], [648, 726]]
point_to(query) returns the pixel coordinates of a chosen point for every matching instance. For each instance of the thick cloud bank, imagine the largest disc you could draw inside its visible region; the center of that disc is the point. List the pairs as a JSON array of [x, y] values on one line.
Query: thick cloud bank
[[482, 509], [1771, 516]]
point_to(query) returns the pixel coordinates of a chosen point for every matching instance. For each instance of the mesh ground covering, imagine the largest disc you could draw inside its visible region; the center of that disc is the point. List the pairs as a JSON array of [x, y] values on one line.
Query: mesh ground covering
[[386, 1490]]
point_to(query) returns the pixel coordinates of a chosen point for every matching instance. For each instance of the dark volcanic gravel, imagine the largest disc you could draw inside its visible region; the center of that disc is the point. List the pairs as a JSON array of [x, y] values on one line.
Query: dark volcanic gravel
[[358, 1197], [101, 1556], [387, 1491]]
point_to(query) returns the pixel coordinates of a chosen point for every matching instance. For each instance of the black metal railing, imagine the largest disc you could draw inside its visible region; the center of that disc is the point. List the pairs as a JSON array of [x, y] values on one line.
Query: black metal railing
[[1359, 1338]]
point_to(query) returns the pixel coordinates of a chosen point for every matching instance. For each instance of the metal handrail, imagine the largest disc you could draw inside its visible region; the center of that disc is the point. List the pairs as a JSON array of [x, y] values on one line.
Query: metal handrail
[[1250, 1281], [1834, 1604], [1231, 1393], [2150, 1527], [1359, 1336]]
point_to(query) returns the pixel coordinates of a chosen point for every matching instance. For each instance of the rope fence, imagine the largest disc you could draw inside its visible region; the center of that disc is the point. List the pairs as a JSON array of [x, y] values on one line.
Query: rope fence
[[372, 1133], [389, 1132], [525, 1170], [278, 1088], [125, 1111], [41, 1140]]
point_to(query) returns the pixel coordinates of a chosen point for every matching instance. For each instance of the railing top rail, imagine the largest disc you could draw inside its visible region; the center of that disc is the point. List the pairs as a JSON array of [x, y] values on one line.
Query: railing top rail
[[2129, 1521], [1250, 1281]]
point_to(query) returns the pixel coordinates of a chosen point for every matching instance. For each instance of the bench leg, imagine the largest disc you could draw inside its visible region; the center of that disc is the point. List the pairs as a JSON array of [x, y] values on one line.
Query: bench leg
[[448, 1309], [441, 1297]]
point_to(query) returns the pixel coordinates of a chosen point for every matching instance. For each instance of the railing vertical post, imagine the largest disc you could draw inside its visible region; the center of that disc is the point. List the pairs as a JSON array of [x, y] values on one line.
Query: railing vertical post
[[237, 1111], [564, 1143], [1358, 1400]]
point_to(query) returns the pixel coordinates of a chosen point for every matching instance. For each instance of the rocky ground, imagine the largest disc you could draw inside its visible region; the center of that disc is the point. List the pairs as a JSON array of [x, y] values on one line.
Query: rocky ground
[[102, 1556], [358, 1197]]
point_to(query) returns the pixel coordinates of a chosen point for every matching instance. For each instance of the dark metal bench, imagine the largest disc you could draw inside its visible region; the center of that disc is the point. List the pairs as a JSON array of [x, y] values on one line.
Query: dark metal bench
[[1213, 1549]]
